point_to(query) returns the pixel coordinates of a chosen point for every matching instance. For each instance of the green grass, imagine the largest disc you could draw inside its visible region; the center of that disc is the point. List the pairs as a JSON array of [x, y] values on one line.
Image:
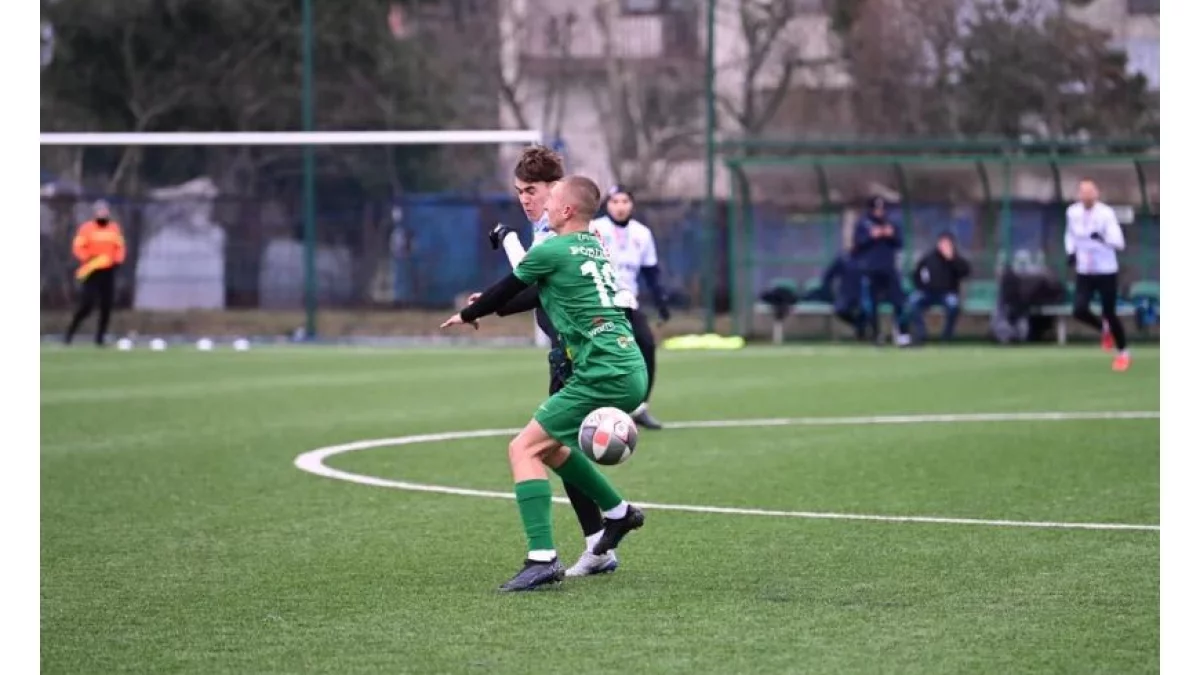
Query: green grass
[[177, 536]]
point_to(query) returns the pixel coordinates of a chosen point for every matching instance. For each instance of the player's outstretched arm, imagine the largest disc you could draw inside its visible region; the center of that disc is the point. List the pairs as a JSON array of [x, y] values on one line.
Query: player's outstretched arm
[[526, 300], [489, 301]]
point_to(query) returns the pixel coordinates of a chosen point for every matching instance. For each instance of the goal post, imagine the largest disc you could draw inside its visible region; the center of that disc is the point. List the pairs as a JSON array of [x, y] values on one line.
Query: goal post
[[296, 138], [244, 220]]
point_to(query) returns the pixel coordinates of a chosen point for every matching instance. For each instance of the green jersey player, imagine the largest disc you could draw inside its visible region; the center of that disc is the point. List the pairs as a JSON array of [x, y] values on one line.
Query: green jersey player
[[576, 286]]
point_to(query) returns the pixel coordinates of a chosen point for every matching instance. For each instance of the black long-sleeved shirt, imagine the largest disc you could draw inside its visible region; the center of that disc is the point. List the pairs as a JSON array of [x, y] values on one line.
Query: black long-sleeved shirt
[[494, 298]]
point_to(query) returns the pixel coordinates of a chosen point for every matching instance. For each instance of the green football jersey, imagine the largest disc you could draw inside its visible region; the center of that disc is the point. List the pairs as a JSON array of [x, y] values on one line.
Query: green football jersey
[[576, 285]]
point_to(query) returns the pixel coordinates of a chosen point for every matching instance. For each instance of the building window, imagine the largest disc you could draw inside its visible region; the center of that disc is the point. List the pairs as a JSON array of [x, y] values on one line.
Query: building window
[[1142, 7]]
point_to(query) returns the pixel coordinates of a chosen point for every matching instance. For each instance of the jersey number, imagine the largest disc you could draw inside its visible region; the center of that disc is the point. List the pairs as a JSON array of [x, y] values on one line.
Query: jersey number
[[604, 278]]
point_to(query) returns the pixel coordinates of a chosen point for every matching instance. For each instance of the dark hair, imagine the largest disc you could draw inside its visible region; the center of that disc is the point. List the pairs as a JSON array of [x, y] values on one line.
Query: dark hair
[[584, 192], [539, 164], [619, 189]]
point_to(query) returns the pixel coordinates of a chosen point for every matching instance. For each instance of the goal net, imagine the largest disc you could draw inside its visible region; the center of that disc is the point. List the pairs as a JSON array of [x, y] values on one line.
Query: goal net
[[284, 222]]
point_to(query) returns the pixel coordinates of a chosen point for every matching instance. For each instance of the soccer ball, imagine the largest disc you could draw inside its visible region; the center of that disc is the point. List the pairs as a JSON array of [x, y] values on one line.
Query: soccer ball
[[608, 436]]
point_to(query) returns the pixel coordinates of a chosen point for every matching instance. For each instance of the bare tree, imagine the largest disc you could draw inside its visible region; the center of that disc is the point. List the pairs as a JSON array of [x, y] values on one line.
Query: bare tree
[[525, 55], [650, 108], [891, 68], [770, 58]]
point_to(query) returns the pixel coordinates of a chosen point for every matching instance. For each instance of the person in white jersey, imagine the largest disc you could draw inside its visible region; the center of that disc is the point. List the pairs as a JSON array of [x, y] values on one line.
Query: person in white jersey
[[1093, 237], [631, 249]]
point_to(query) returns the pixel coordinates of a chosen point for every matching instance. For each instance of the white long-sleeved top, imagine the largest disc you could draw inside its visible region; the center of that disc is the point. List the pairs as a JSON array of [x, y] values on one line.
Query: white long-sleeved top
[[1091, 256]]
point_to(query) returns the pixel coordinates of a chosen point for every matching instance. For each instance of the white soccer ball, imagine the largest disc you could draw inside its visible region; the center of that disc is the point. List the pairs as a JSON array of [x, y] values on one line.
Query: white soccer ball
[[158, 344], [241, 344], [124, 344], [204, 344], [608, 436]]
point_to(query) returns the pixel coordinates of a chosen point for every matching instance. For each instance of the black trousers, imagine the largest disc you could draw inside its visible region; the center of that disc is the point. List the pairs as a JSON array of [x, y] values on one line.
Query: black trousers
[[1105, 285], [98, 289], [886, 287], [644, 336]]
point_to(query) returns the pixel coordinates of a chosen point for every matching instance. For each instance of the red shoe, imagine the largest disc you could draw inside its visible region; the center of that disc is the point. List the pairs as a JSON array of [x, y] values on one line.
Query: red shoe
[[1106, 341], [1121, 363]]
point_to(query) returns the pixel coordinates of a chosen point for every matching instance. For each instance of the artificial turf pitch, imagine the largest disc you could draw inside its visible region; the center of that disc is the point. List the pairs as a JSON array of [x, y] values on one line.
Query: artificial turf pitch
[[178, 536]]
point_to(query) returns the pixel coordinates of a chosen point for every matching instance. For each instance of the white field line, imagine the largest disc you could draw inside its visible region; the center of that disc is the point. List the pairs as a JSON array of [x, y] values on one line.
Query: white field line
[[314, 462]]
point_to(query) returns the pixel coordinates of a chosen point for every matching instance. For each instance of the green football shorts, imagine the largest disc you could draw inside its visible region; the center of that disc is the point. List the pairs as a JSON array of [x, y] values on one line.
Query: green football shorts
[[563, 412]]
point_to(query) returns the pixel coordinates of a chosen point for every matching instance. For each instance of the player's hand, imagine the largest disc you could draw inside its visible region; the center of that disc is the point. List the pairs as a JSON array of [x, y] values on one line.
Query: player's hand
[[560, 365], [457, 320], [1096, 236], [497, 235], [664, 312]]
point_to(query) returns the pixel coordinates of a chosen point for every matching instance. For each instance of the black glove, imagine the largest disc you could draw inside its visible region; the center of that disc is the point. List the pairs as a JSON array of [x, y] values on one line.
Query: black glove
[[1096, 236], [560, 365], [497, 235], [1071, 261], [664, 312]]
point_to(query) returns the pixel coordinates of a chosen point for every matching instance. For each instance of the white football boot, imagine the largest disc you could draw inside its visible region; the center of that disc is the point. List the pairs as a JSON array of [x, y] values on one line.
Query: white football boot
[[589, 563]]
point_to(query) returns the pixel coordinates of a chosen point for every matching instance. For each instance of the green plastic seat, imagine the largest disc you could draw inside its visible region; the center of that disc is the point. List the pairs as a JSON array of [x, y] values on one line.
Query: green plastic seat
[[980, 296], [1144, 288]]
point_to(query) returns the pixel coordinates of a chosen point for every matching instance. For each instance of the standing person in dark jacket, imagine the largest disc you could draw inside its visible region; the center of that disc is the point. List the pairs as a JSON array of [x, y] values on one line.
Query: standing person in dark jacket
[[876, 243], [937, 279]]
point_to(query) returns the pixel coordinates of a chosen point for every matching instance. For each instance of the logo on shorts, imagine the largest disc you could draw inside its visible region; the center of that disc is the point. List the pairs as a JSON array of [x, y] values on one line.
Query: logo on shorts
[[623, 341], [601, 327]]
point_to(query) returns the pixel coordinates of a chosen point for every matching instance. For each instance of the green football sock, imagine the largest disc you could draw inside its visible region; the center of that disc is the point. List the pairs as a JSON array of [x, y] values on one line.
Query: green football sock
[[583, 474], [533, 501]]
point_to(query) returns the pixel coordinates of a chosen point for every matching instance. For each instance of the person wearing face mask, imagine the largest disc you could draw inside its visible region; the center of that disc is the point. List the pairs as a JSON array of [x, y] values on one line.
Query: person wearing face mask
[[630, 245], [100, 248]]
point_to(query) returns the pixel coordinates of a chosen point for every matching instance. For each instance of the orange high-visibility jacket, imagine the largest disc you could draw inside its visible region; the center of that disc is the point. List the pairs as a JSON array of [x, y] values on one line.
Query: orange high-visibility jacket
[[98, 246]]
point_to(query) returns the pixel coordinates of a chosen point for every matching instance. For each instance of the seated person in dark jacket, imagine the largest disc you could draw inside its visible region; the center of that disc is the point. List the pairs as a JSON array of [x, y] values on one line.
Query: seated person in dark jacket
[[876, 243], [841, 286], [937, 279]]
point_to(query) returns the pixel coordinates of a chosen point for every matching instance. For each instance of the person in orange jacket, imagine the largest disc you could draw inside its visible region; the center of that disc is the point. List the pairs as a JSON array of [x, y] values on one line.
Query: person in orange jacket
[[100, 248]]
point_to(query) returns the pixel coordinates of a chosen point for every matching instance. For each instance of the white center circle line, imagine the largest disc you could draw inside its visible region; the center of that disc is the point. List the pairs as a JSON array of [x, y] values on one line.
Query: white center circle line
[[314, 462]]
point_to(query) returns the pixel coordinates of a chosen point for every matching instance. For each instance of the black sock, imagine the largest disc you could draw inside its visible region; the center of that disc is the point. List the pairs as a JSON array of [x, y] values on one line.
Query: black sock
[[591, 520]]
